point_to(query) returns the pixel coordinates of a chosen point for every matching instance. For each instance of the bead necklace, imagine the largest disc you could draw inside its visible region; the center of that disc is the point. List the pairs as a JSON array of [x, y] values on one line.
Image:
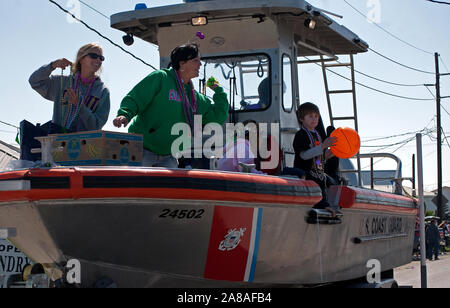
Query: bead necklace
[[74, 109], [64, 101], [318, 160], [189, 109]]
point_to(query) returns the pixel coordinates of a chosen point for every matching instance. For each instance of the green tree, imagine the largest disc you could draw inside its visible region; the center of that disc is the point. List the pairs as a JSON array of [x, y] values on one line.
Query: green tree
[[430, 213]]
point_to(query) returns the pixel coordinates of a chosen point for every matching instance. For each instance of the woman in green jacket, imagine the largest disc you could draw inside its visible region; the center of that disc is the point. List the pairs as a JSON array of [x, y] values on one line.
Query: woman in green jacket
[[167, 97]]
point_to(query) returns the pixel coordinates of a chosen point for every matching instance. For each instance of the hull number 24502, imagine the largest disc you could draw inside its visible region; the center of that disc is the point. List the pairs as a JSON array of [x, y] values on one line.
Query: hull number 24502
[[182, 214]]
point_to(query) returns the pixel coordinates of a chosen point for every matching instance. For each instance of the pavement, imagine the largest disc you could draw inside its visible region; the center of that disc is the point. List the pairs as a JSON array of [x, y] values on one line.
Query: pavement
[[438, 273]]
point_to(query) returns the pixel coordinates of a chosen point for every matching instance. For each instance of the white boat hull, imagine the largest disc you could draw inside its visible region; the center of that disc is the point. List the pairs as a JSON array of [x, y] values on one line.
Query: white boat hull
[[160, 242]]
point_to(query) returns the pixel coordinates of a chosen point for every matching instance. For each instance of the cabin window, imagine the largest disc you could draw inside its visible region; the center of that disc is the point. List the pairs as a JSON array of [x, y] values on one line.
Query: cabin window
[[245, 79], [287, 90]]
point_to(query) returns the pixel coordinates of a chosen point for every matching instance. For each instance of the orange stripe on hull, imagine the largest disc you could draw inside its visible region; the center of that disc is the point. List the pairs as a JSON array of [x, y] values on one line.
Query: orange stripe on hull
[[384, 208], [364, 199], [154, 193], [76, 190]]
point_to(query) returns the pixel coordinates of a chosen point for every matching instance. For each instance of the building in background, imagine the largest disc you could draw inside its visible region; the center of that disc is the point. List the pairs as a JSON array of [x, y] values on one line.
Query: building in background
[[7, 153], [445, 197]]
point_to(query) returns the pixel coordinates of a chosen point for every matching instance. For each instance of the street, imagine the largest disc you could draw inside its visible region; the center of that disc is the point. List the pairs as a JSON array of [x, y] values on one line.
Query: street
[[438, 273]]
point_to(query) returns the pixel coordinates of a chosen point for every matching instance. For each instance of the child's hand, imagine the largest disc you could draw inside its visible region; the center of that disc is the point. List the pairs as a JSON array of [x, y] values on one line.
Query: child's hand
[[328, 154], [330, 141]]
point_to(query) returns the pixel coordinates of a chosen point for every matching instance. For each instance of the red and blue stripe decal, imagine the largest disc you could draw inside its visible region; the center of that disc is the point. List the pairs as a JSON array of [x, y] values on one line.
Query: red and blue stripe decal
[[233, 244]]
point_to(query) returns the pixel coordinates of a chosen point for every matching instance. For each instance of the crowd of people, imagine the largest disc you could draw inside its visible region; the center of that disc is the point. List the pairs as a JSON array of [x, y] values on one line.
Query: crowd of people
[[437, 239]]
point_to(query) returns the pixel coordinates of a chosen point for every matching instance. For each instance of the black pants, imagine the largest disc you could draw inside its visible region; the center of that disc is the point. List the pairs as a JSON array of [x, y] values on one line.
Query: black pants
[[322, 204]]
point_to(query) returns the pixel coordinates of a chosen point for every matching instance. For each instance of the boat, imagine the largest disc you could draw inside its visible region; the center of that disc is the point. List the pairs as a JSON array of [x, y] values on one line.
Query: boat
[[131, 226]]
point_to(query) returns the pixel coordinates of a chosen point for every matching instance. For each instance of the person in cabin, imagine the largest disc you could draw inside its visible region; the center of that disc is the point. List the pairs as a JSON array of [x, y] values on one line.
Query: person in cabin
[[81, 101], [240, 151], [167, 97], [274, 154], [235, 154], [264, 96], [247, 150], [311, 150]]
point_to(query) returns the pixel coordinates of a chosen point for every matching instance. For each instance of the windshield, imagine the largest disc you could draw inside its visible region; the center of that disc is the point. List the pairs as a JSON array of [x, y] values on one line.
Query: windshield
[[244, 77]]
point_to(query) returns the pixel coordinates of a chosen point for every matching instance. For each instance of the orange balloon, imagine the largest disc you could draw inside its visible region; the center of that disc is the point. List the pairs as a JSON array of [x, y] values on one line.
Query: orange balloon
[[347, 144]]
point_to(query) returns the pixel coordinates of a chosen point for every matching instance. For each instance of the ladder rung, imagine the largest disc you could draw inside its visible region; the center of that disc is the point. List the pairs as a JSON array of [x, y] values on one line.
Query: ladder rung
[[343, 118], [340, 91], [338, 64], [349, 170]]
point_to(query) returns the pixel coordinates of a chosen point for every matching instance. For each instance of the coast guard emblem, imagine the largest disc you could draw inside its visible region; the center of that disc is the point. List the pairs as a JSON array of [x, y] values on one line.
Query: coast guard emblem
[[232, 239]]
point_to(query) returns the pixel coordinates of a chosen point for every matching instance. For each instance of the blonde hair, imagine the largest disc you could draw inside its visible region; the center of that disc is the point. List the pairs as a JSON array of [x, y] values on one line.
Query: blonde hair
[[83, 52]]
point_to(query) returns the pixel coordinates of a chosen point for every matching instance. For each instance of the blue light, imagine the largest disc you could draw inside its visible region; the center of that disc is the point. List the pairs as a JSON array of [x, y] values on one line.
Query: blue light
[[140, 6]]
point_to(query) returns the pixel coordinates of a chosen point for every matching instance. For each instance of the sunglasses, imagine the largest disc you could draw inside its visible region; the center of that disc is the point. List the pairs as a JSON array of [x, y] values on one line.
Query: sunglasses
[[96, 56]]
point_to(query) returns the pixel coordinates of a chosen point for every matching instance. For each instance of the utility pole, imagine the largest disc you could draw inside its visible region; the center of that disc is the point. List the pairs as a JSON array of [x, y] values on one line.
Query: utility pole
[[439, 141], [439, 203]]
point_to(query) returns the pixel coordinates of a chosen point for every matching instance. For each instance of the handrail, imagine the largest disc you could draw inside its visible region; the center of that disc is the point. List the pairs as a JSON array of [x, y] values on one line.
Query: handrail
[[397, 179]]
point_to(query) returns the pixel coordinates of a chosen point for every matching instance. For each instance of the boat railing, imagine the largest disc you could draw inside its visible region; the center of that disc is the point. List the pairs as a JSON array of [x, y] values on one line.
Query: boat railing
[[393, 177]]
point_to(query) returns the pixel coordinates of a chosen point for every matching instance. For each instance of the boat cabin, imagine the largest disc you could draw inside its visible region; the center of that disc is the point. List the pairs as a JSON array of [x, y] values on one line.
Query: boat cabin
[[252, 47]]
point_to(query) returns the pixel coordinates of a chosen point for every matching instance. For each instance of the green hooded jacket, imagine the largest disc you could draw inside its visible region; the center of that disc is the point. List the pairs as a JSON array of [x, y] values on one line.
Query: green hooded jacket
[[154, 105]]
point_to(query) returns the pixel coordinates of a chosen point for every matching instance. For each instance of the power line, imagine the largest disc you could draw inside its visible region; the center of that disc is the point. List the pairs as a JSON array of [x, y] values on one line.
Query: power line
[[380, 80], [398, 96], [97, 11], [94, 9], [435, 98], [384, 81], [407, 140], [424, 156], [440, 2], [380, 91], [393, 136], [9, 124], [426, 131], [432, 94], [385, 146], [445, 110], [373, 89], [443, 63], [404, 143], [398, 63], [446, 139], [404, 134], [394, 36], [388, 82], [101, 35], [100, 13]]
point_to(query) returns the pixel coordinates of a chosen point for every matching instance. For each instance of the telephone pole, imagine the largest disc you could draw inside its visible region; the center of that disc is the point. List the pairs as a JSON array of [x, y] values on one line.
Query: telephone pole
[[439, 141], [439, 203]]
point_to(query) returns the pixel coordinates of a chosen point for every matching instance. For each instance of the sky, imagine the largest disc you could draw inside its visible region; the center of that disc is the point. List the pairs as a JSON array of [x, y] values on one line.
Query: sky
[[409, 32]]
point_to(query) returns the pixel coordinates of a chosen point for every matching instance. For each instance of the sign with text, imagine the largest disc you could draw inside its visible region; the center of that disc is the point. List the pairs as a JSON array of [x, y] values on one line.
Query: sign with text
[[12, 261]]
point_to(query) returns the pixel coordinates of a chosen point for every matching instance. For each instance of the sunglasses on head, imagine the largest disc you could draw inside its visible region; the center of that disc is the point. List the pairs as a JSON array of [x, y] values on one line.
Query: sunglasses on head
[[94, 56]]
